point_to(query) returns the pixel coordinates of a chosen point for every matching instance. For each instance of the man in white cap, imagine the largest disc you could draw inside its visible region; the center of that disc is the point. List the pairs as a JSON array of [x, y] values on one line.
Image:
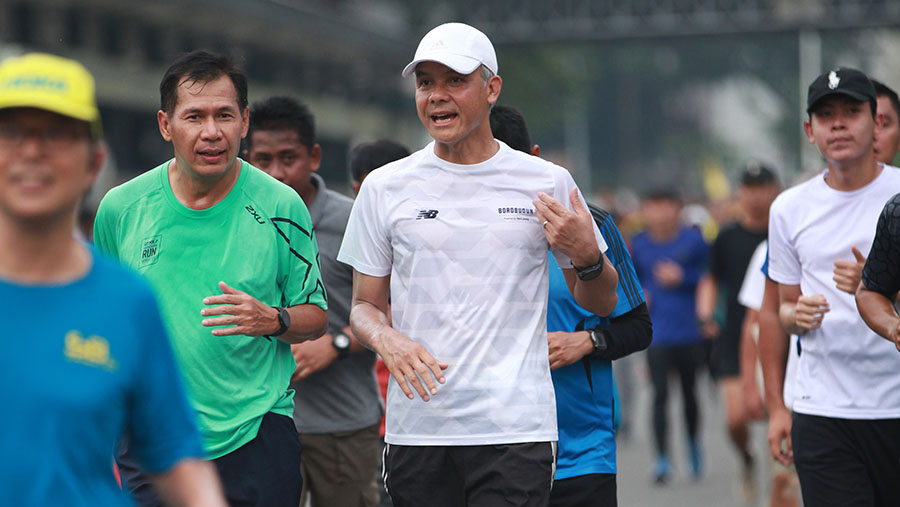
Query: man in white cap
[[457, 234]]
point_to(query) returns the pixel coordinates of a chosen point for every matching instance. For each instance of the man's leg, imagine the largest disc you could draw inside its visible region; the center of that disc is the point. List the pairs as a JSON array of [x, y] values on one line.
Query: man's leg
[[422, 475], [590, 489], [266, 470], [879, 448], [830, 469], [658, 363], [687, 360], [338, 467], [514, 475], [739, 432]]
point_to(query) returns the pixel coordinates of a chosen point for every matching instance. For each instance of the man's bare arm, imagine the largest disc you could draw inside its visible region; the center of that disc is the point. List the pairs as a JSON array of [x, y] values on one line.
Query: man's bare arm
[[773, 347], [246, 315], [191, 483], [798, 313], [879, 314], [409, 362]]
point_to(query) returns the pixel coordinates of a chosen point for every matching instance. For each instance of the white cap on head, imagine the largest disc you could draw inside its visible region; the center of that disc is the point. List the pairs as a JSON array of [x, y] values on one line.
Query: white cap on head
[[461, 47]]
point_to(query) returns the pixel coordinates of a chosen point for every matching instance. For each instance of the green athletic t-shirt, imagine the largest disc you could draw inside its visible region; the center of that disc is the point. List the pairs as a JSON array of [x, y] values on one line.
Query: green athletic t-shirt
[[259, 240]]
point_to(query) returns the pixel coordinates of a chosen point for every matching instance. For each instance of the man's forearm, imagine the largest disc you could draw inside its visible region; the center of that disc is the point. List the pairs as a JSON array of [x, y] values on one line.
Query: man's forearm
[[787, 317], [368, 324], [627, 334], [877, 311], [308, 322], [773, 347], [598, 296]]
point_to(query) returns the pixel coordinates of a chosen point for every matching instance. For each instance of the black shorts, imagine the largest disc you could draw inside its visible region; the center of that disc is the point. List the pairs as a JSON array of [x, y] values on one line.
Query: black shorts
[[263, 472], [847, 461], [471, 475], [583, 490]]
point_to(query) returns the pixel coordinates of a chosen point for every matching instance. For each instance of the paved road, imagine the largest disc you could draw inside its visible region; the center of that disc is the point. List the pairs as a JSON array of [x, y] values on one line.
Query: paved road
[[719, 485]]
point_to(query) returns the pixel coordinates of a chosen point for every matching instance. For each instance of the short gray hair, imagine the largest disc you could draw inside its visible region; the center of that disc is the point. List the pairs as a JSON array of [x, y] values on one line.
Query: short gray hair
[[486, 73]]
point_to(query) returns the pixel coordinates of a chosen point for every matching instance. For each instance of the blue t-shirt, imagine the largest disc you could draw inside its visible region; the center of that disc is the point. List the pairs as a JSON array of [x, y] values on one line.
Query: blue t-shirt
[[584, 389], [673, 310], [82, 361]]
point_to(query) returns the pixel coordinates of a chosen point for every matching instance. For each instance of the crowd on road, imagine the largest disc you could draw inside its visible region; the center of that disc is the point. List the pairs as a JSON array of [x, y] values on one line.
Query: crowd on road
[[231, 331]]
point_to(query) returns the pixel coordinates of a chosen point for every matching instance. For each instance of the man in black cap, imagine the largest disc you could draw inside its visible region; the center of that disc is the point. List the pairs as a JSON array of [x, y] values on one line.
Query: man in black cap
[[730, 255], [845, 428]]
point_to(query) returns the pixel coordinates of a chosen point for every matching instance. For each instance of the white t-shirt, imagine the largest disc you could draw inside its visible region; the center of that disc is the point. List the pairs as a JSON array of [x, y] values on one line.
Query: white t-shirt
[[751, 296], [468, 265], [845, 370]]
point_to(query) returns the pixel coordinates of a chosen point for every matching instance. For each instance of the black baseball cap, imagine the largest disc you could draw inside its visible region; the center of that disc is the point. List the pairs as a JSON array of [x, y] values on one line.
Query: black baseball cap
[[845, 81], [755, 173]]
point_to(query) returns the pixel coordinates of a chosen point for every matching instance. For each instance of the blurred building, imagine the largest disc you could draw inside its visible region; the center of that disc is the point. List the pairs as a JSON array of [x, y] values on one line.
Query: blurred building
[[344, 63]]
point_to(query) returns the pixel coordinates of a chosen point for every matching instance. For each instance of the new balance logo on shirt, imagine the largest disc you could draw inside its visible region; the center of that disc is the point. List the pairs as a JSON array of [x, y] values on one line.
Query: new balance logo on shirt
[[427, 214]]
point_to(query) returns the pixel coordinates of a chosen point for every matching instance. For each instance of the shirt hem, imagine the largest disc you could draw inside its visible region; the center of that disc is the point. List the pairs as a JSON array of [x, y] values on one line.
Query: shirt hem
[[499, 439], [843, 413]]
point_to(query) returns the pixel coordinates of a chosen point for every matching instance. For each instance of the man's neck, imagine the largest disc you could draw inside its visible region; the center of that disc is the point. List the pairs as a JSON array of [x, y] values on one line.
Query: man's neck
[[474, 149], [308, 193], [754, 223], [42, 253], [201, 193], [664, 232], [853, 175]]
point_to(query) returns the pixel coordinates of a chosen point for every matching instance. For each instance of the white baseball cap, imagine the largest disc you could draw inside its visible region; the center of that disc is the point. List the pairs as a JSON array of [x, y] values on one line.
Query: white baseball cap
[[459, 46]]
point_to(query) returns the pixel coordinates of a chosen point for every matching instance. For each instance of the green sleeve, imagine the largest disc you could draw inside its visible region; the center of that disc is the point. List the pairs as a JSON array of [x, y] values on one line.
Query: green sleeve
[[300, 275], [105, 229]]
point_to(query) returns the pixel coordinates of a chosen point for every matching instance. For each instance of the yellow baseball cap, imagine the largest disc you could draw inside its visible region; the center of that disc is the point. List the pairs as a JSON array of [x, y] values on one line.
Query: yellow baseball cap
[[52, 83]]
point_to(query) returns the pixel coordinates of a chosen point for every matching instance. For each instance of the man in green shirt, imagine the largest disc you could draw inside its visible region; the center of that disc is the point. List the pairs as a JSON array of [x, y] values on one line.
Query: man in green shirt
[[232, 255]]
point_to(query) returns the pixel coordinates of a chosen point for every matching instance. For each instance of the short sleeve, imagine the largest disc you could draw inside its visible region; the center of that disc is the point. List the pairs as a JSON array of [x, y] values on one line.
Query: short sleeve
[[882, 270], [301, 279], [628, 289], [366, 245], [751, 293], [784, 262], [105, 229], [563, 188], [162, 424]]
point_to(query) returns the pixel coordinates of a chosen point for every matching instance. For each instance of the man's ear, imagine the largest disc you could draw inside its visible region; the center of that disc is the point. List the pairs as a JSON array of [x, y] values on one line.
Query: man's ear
[[315, 156], [807, 127], [536, 150], [494, 84], [98, 156], [245, 122], [162, 118]]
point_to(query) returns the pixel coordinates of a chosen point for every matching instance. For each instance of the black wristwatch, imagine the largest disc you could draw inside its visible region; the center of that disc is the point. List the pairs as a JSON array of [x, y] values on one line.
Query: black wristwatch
[[284, 320], [590, 272], [341, 343], [598, 339]]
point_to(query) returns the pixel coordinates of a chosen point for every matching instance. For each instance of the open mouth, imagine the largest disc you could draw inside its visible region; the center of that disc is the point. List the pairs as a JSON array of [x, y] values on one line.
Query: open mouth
[[211, 154], [443, 118]]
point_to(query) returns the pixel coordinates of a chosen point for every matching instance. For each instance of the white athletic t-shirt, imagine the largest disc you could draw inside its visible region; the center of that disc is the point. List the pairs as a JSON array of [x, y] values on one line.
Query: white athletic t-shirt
[[845, 369], [468, 265], [751, 295]]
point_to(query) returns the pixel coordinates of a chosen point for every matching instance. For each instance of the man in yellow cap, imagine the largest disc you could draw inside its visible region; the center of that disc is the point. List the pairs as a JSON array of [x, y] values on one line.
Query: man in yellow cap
[[100, 360]]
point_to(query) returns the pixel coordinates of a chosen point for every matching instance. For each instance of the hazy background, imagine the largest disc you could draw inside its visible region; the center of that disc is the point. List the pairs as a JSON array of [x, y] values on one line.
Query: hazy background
[[627, 94]]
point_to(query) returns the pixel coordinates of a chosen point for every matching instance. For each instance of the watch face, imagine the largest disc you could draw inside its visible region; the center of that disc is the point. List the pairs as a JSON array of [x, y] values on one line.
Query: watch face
[[285, 317], [341, 341]]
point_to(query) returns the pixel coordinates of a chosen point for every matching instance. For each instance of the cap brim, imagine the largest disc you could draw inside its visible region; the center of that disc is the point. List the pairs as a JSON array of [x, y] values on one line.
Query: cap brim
[[857, 96], [459, 63], [79, 112]]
